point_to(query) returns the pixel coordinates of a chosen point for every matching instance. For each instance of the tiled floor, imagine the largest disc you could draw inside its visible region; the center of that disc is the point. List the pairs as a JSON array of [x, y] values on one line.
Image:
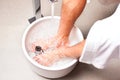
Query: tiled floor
[[13, 65]]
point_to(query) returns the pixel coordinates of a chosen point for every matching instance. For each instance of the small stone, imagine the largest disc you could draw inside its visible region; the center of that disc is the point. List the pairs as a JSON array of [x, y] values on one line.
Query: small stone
[[38, 48]]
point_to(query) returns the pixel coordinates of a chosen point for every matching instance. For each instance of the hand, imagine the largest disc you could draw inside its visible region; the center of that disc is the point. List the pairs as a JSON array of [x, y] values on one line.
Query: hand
[[53, 42]]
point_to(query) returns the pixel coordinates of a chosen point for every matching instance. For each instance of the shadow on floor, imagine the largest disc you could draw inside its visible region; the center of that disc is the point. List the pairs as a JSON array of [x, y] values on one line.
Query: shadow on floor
[[88, 72]]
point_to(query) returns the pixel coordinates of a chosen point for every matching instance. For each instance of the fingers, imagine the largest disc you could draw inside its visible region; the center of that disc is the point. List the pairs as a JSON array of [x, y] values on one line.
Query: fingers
[[53, 42]]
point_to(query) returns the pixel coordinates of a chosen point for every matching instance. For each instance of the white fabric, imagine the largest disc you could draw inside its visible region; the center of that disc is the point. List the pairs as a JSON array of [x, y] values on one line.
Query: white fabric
[[103, 41]]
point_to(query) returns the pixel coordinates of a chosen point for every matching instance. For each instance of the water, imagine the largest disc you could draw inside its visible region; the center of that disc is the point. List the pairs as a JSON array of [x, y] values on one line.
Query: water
[[52, 9]]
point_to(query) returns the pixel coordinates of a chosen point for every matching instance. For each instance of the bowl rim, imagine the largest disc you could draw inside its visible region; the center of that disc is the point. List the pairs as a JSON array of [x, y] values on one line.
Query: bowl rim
[[30, 59]]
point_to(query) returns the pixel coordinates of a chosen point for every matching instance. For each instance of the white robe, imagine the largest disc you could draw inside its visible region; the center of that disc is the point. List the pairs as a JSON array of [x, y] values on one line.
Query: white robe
[[103, 41]]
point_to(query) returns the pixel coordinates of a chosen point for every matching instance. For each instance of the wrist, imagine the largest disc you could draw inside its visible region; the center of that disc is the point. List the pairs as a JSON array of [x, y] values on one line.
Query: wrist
[[62, 35]]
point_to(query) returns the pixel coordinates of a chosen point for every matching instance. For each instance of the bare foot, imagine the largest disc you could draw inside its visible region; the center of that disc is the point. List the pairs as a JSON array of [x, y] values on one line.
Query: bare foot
[[48, 58]]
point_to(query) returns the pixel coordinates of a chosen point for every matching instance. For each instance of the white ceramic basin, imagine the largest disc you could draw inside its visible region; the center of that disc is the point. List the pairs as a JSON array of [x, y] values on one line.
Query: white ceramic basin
[[44, 28]]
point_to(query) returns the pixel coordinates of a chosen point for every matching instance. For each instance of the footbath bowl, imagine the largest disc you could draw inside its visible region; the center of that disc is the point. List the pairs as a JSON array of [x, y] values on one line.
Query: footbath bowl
[[44, 28]]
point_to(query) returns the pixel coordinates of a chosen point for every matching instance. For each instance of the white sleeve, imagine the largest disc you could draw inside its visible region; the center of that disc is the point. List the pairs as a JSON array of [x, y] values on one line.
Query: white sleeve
[[102, 44]]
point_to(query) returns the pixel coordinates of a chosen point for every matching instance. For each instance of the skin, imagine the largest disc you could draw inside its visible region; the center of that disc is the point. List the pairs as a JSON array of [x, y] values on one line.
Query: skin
[[71, 10]]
